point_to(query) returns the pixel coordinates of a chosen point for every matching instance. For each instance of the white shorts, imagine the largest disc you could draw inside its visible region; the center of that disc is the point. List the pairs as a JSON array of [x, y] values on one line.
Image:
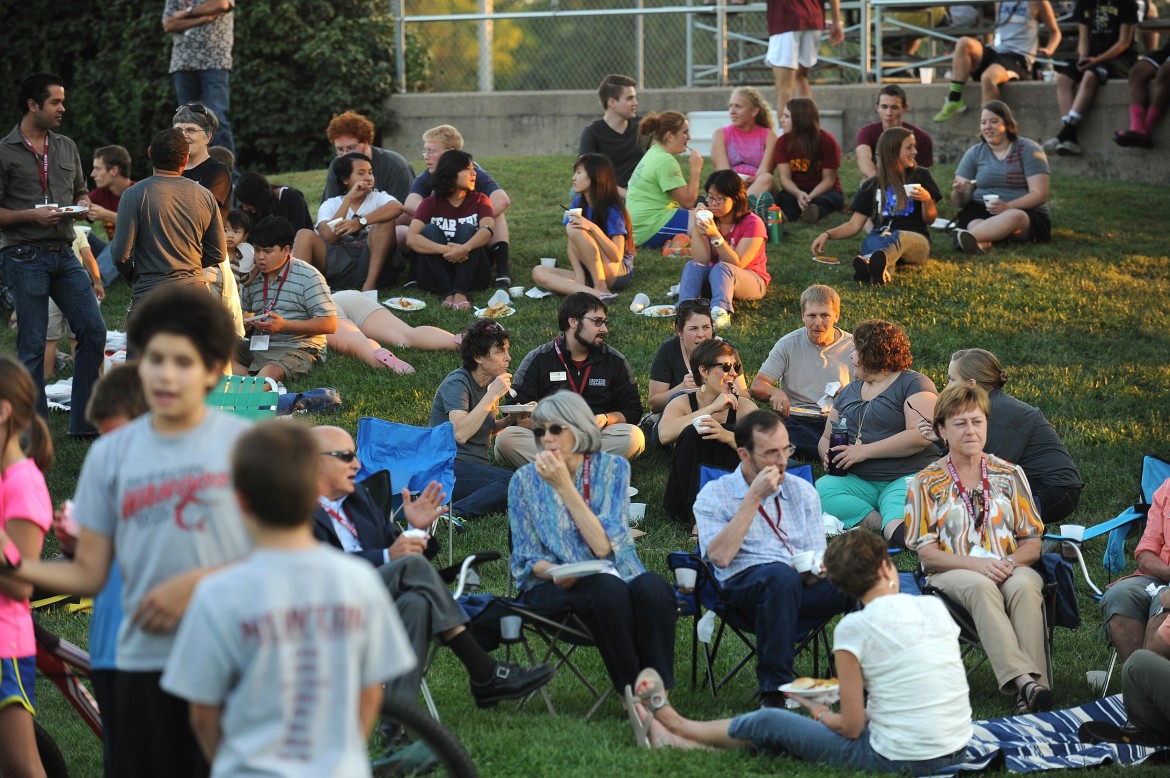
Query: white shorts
[[789, 49]]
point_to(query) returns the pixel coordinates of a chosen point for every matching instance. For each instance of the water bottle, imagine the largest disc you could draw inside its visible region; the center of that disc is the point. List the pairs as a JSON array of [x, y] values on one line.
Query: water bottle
[[838, 437], [775, 218]]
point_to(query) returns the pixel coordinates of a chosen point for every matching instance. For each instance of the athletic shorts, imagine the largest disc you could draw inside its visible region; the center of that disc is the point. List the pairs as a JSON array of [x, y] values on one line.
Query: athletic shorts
[[18, 679], [293, 360], [1159, 57], [354, 305], [1118, 67], [1015, 64], [790, 49], [679, 220], [621, 282], [1039, 223]]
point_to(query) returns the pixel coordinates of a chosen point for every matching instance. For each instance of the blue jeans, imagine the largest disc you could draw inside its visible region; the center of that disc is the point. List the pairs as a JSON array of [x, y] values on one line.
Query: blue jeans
[[779, 607], [776, 729], [725, 281], [35, 274], [806, 436], [480, 489], [901, 246], [213, 89]]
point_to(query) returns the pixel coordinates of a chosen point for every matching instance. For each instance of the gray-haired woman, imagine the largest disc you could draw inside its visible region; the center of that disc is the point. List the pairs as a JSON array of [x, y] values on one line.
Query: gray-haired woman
[[569, 505]]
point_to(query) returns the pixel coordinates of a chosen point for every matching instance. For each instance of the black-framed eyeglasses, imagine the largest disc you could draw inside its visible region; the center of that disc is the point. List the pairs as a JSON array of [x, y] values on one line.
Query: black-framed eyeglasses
[[552, 429], [344, 456], [197, 107], [598, 321], [735, 368]]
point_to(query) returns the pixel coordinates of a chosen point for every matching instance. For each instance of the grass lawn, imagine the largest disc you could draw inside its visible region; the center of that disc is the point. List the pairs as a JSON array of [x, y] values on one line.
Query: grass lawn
[[1077, 323]]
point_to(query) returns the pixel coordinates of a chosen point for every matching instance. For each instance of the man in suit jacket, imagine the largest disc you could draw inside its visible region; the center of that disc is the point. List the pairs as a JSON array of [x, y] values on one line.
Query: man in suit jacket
[[348, 517]]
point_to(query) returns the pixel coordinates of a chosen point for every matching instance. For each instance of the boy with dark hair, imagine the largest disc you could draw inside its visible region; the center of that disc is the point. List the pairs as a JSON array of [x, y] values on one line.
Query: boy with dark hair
[[111, 177], [615, 134], [290, 307], [288, 680], [160, 492]]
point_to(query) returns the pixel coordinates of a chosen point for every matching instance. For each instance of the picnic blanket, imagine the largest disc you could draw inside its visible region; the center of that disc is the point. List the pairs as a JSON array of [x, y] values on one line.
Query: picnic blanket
[[1048, 741]]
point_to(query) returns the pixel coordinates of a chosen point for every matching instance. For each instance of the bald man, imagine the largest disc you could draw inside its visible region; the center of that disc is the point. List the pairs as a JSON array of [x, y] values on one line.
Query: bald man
[[348, 518]]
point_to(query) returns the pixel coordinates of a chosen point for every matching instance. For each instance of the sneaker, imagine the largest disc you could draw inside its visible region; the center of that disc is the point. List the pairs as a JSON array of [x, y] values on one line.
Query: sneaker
[[503, 282], [811, 215], [510, 682], [1068, 148], [1050, 145], [966, 242], [1107, 732], [763, 203], [752, 203], [720, 318], [409, 284], [861, 269], [1131, 139], [878, 274], [950, 109]]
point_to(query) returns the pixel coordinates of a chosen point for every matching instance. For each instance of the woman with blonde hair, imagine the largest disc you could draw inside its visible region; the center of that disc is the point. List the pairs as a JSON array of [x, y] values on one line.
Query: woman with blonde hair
[[747, 144], [660, 195]]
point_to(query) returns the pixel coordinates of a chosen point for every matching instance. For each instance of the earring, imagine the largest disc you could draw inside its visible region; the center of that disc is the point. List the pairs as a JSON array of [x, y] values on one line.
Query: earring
[[892, 584]]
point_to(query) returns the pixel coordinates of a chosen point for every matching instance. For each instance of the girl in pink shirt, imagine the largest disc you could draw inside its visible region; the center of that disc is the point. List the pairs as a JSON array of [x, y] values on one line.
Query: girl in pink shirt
[[747, 145], [25, 513]]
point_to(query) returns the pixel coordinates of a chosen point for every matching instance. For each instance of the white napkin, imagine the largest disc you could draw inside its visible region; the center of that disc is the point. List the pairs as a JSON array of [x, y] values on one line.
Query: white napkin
[[826, 401], [536, 293]]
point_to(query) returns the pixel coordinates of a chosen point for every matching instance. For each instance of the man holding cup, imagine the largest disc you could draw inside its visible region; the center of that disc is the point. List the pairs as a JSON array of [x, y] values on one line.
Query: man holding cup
[[348, 518], [754, 527]]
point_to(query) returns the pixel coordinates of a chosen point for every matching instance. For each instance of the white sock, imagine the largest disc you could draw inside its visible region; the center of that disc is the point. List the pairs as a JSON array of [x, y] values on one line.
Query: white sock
[[1073, 118]]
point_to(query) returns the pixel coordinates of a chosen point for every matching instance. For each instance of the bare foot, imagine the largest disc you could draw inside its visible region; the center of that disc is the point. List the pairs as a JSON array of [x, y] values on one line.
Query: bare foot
[[661, 737]]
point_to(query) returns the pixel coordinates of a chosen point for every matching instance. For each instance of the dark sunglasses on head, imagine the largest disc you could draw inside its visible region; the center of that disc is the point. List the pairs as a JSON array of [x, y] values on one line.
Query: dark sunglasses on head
[[552, 429], [344, 456], [196, 107], [694, 302], [735, 368]]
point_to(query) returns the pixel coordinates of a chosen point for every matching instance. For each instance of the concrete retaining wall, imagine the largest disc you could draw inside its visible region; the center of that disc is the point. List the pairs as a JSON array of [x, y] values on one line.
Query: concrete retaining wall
[[523, 123]]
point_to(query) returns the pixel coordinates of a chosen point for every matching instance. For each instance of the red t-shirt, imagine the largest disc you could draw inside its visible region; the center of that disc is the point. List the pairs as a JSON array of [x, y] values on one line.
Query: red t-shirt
[[789, 15], [807, 173], [436, 210], [108, 200]]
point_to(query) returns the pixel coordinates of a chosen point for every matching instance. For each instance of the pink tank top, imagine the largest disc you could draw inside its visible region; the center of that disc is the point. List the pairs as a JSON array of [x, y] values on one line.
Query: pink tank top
[[745, 150]]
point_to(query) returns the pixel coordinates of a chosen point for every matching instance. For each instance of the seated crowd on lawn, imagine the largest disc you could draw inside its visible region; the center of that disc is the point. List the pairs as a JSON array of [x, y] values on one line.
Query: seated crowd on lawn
[[924, 469]]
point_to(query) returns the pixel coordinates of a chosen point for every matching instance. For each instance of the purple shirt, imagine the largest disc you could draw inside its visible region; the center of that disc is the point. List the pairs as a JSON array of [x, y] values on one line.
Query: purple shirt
[[869, 134]]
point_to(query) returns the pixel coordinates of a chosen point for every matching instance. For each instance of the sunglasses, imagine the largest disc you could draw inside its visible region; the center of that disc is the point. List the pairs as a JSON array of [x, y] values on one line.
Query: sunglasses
[[344, 456], [735, 368], [196, 107], [694, 302], [552, 429]]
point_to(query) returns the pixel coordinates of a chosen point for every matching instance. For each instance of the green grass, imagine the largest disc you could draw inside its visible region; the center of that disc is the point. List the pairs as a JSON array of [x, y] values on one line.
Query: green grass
[[1080, 323]]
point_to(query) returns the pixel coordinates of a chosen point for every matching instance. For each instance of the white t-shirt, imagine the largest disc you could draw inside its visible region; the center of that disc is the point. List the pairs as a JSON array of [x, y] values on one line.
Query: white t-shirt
[[803, 368], [374, 200], [285, 641], [167, 503], [908, 649]]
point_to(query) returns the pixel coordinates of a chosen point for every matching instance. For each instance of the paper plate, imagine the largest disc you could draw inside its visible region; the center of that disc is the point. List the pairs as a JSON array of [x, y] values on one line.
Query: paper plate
[[631, 491], [941, 223], [405, 304], [483, 312], [579, 569], [659, 311], [74, 208], [804, 413], [825, 695], [822, 259], [517, 408]]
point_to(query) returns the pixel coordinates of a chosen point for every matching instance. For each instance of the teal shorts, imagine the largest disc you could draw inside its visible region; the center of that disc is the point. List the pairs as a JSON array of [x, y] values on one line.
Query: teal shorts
[[851, 498], [18, 678]]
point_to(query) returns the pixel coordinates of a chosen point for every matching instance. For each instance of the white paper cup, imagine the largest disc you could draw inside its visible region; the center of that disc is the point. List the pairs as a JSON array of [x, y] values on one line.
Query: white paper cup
[[510, 627], [575, 212], [636, 513], [548, 261], [1049, 76], [1072, 532], [640, 302], [803, 561], [703, 421], [686, 578], [413, 532], [990, 199], [911, 189], [703, 216], [515, 291], [926, 75]]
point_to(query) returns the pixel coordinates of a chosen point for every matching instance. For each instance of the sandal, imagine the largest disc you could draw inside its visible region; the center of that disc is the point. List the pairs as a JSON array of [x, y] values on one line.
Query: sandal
[[649, 691], [1034, 698], [388, 359]]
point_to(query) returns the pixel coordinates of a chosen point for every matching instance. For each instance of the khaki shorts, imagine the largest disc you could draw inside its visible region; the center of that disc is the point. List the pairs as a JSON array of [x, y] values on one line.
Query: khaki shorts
[[354, 305], [293, 360]]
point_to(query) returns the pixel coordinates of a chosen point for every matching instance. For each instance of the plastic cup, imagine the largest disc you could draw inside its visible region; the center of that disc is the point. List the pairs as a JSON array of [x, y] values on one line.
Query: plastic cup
[[1072, 532], [548, 261], [636, 513], [990, 199], [510, 627], [803, 561], [703, 216], [515, 291], [1049, 76], [640, 302], [686, 578], [1096, 680], [911, 189], [703, 421], [413, 532], [926, 75], [575, 212]]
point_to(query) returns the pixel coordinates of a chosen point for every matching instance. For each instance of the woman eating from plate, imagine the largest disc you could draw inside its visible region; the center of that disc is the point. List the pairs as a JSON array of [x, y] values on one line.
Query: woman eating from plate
[[728, 260], [971, 518], [700, 425], [1001, 185], [569, 505], [670, 372], [900, 200], [903, 688]]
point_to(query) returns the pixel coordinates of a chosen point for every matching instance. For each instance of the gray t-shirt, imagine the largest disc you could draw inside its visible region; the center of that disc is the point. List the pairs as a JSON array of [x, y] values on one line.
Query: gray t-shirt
[[168, 504], [802, 368], [882, 417], [304, 295], [288, 661], [1007, 177], [460, 392], [204, 47], [172, 228]]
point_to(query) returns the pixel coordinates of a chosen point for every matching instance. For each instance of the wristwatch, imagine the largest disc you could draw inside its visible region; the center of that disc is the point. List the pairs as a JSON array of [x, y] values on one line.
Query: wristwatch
[[363, 221], [717, 242]]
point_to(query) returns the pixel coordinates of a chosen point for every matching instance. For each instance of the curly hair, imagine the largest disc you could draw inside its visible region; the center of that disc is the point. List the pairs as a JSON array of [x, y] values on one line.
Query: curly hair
[[881, 345], [479, 339], [353, 124]]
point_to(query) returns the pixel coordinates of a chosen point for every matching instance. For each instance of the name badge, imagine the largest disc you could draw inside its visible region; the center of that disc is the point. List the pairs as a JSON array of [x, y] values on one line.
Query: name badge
[[560, 376], [259, 342]]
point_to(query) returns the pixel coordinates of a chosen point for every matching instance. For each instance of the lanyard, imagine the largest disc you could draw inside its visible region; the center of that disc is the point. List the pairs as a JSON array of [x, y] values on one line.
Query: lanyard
[[44, 169], [569, 372], [585, 479], [781, 535], [341, 519], [283, 278], [966, 496]]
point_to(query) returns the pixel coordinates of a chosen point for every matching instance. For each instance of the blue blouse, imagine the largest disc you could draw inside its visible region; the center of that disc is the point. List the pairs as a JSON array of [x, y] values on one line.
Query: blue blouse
[[543, 530]]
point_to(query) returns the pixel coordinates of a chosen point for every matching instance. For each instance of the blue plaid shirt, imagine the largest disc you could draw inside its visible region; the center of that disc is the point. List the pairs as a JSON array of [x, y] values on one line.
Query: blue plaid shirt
[[800, 525]]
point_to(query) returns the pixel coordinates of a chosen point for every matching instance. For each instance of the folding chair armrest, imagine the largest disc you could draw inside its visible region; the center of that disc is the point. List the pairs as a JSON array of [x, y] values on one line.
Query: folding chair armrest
[[465, 569]]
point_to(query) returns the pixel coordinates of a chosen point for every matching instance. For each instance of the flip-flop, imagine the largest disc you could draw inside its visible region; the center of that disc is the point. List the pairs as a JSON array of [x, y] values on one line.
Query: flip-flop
[[652, 694], [394, 363]]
